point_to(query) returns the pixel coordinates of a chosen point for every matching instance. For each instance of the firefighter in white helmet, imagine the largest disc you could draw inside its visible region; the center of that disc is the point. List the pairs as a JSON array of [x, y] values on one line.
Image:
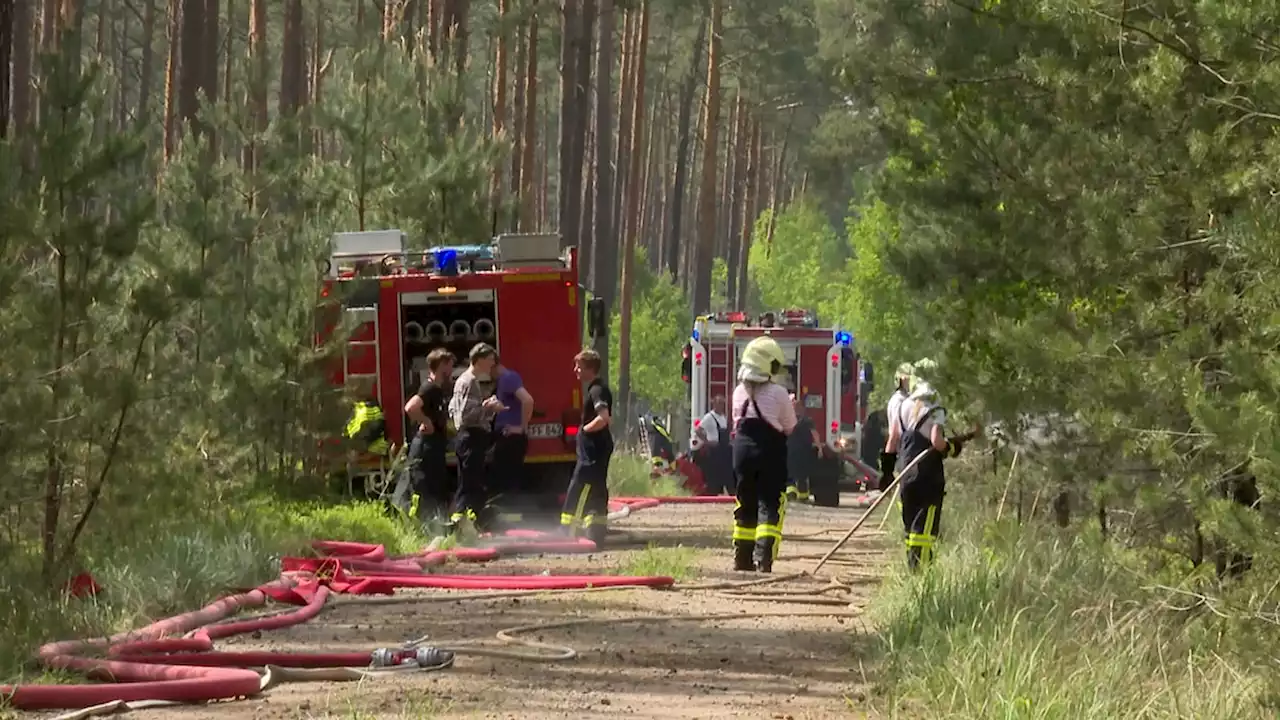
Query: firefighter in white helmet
[[763, 417], [921, 420], [889, 456]]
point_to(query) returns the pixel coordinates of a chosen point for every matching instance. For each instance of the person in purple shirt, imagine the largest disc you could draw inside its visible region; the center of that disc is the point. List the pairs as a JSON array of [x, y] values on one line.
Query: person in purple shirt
[[511, 427]]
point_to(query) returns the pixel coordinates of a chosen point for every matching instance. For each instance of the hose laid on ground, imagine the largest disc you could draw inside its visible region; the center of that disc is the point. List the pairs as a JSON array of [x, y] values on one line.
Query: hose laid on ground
[[144, 668]]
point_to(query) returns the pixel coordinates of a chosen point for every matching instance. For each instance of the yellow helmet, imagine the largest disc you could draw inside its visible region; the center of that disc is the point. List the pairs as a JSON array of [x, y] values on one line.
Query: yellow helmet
[[918, 378], [762, 359]]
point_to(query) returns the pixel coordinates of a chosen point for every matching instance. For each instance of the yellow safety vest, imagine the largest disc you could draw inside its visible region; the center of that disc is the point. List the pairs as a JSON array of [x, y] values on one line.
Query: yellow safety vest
[[362, 415]]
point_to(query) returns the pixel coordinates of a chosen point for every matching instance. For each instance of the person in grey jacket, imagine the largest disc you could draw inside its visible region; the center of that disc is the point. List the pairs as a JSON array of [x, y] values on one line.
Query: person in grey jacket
[[473, 408]]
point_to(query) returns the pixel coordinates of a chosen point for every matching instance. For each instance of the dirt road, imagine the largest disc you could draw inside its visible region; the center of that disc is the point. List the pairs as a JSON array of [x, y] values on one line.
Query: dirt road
[[794, 664]]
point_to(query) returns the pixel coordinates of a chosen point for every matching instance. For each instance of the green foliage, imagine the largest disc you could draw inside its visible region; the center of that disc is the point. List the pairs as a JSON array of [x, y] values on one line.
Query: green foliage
[[659, 328], [802, 263], [1023, 622]]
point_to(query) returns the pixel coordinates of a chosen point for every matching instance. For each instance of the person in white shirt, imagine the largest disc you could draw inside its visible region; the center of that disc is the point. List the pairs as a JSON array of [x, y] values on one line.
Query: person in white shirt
[[889, 456], [715, 452]]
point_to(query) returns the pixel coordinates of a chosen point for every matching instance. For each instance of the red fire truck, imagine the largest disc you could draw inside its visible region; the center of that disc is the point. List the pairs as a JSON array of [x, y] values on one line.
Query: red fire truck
[[824, 367], [519, 293]]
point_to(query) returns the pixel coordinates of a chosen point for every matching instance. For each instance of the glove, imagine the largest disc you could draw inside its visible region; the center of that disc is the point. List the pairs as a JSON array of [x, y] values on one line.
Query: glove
[[953, 448], [888, 461]]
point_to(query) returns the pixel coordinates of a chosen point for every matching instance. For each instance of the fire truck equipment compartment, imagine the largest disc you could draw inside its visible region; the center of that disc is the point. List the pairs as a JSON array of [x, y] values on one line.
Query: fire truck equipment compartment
[[456, 321]]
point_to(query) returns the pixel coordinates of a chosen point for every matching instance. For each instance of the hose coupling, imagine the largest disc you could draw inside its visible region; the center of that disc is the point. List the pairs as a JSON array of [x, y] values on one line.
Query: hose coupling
[[389, 657], [428, 656]]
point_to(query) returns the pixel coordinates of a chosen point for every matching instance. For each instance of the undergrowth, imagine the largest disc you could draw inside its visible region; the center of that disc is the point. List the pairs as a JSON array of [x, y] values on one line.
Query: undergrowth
[[1037, 622], [657, 561], [180, 568], [629, 477]]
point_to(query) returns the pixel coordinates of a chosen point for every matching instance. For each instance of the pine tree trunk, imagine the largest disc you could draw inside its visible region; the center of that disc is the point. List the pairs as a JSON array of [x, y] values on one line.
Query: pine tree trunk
[[500, 99], [528, 173], [171, 79], [292, 60], [736, 200], [705, 253], [626, 87], [191, 70], [6, 57], [636, 150], [674, 249], [571, 34], [750, 208], [605, 260], [22, 23]]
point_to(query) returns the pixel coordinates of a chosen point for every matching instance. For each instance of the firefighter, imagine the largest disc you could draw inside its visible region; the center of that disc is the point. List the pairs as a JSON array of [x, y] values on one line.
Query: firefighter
[[715, 450], [428, 475], [889, 456], [473, 407], [586, 503], [802, 452], [763, 417], [921, 425]]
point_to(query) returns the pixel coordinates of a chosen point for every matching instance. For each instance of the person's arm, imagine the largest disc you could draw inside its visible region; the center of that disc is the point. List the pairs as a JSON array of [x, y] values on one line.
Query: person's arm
[[413, 409], [895, 436], [938, 435], [526, 407], [601, 401]]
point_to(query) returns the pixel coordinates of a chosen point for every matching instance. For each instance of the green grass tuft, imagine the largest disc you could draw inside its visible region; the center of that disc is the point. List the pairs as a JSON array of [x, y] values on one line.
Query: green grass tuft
[[654, 561], [629, 477]]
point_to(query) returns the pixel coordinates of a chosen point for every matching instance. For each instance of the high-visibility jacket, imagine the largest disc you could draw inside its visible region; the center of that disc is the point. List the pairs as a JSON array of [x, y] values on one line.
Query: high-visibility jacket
[[368, 427]]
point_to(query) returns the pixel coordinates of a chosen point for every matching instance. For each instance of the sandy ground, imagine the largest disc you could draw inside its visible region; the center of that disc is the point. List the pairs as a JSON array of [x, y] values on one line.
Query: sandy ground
[[798, 665]]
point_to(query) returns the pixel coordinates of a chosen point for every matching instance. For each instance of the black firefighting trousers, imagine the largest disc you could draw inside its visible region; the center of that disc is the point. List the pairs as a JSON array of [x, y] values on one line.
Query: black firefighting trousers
[[586, 504], [922, 518]]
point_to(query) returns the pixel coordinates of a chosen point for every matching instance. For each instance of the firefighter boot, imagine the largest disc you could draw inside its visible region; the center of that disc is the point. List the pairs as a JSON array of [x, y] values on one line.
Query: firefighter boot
[[764, 555], [742, 550], [596, 533]]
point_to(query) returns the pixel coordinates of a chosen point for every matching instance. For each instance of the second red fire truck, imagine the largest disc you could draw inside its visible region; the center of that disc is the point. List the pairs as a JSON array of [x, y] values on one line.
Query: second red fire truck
[[824, 368]]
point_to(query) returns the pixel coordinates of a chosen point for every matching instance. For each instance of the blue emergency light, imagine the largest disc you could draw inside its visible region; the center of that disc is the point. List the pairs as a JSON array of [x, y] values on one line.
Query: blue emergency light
[[446, 261], [697, 336], [844, 338]]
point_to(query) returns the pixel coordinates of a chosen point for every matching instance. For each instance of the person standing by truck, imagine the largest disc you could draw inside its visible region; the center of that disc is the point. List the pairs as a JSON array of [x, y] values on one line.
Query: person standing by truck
[[715, 451], [473, 407], [587, 501], [510, 435], [802, 452], [428, 475], [889, 456]]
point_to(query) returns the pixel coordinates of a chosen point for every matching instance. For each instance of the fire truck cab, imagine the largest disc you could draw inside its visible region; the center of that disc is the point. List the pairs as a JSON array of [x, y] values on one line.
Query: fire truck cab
[[519, 293], [824, 368]]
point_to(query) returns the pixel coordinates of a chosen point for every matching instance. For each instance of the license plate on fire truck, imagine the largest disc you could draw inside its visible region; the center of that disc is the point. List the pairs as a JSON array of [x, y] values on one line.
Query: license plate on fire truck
[[546, 430]]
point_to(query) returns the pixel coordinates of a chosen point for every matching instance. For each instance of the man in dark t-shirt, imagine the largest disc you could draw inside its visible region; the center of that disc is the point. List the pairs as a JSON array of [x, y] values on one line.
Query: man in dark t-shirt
[[586, 503], [429, 476], [802, 453]]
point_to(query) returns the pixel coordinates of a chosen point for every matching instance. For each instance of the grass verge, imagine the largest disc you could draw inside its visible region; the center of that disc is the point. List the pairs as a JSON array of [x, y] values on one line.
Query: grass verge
[[180, 569], [655, 561], [1033, 622], [629, 477]]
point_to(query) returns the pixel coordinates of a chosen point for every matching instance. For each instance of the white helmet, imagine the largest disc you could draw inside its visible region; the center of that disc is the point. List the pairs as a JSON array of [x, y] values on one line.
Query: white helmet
[[762, 360]]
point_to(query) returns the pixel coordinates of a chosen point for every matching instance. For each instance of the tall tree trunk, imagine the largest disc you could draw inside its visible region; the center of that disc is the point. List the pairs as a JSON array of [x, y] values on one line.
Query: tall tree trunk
[[570, 36], [736, 200], [22, 24], [606, 244], [500, 99], [673, 246], [528, 173], [517, 117], [6, 57], [750, 208], [258, 80], [146, 65], [171, 79], [626, 91], [632, 218], [705, 253], [191, 70], [585, 111], [776, 184], [209, 64], [292, 60]]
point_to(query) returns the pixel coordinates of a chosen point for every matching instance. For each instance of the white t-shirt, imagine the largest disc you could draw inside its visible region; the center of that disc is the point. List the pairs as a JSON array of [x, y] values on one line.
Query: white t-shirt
[[911, 411], [895, 403], [711, 423]]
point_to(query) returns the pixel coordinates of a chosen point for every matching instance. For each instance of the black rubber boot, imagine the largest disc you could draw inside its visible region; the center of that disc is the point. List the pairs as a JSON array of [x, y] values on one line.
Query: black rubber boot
[[596, 533], [742, 551], [764, 555]]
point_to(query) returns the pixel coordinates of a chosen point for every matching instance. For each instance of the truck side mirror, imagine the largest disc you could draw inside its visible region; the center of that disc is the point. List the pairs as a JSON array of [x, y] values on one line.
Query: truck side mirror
[[868, 374], [597, 323]]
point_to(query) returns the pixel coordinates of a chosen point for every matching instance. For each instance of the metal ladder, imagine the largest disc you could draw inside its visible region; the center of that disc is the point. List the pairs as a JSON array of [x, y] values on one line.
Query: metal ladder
[[361, 316], [726, 353]]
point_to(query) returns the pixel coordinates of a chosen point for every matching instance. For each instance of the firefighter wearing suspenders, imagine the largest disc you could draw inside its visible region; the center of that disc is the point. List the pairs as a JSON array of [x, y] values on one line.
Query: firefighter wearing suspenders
[[889, 456], [920, 424], [763, 416]]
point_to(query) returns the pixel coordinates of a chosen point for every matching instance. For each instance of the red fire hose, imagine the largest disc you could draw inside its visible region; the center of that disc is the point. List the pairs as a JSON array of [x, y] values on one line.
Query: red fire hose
[[153, 664]]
